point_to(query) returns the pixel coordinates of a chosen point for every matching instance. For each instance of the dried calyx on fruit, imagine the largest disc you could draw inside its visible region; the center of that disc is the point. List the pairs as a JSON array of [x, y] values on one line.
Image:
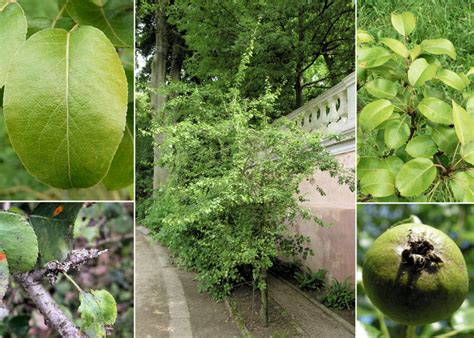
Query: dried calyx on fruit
[[415, 274], [420, 254]]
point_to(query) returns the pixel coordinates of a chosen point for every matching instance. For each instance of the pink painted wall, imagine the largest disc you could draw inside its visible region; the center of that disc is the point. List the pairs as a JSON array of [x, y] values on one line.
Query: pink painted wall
[[334, 247]]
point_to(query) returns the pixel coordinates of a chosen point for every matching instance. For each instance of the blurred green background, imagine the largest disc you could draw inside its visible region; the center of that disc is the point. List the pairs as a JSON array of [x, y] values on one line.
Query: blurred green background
[[456, 220], [103, 226]]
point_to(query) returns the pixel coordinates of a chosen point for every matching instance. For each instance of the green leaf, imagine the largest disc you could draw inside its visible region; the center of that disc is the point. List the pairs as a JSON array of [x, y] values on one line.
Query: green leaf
[[114, 18], [375, 113], [126, 56], [42, 14], [54, 225], [367, 164], [396, 46], [403, 23], [470, 72], [120, 174], [463, 124], [415, 177], [421, 146], [415, 52], [445, 138], [394, 164], [396, 133], [12, 34], [467, 152], [380, 183], [382, 89], [436, 110], [470, 106], [370, 57], [363, 36], [439, 47], [421, 71], [377, 176], [97, 309], [462, 185], [65, 107], [18, 241], [4, 274], [451, 79]]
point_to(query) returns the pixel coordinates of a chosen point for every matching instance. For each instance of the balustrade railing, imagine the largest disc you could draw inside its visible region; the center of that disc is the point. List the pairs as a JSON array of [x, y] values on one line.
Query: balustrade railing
[[333, 112]]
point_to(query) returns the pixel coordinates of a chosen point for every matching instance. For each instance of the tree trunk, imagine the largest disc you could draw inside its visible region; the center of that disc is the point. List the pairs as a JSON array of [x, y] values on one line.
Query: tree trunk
[[264, 298], [158, 80], [300, 62]]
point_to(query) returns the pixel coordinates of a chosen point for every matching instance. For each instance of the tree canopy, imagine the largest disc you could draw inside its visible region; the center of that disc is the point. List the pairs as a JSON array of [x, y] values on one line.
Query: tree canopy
[[302, 47]]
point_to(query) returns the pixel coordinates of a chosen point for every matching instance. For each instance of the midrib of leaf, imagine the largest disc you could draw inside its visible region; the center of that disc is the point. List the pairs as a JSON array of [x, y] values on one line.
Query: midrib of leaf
[[108, 23], [419, 175], [67, 110]]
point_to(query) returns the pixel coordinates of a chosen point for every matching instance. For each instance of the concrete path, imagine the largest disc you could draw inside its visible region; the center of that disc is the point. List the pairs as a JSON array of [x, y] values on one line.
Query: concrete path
[[310, 318], [167, 301]]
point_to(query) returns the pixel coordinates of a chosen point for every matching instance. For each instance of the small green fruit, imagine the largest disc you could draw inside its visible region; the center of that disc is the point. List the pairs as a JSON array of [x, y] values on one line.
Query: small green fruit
[[415, 274]]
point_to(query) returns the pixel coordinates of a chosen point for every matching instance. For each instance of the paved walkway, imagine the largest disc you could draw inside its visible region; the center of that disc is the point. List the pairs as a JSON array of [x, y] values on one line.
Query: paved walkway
[[167, 301], [310, 318]]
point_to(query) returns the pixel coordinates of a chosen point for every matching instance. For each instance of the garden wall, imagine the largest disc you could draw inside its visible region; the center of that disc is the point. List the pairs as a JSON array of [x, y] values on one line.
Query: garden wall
[[333, 112], [334, 247]]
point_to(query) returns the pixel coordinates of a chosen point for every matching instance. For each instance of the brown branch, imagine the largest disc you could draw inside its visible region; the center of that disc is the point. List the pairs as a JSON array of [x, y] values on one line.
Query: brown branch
[[74, 260], [31, 282], [54, 316]]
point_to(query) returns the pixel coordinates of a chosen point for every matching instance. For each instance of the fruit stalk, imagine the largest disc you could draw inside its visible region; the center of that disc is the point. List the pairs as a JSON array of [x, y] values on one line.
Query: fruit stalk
[[411, 331]]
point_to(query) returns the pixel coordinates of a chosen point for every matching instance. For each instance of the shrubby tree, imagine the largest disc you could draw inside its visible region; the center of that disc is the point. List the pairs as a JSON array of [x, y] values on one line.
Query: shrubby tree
[[233, 182]]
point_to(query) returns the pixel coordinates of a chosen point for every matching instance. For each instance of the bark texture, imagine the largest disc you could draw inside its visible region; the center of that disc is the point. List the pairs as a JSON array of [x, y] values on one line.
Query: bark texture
[[31, 282], [158, 81]]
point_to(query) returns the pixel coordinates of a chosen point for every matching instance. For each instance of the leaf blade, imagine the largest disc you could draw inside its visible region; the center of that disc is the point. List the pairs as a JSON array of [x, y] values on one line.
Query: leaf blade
[[415, 177], [79, 122]]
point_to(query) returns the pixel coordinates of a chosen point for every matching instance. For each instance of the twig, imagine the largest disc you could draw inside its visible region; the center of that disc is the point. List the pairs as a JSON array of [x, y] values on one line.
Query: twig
[[74, 260], [31, 282]]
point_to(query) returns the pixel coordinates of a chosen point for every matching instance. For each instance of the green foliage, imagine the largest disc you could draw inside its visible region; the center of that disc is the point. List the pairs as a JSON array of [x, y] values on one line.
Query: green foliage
[[415, 136], [144, 155], [98, 311], [53, 224], [19, 242], [76, 111], [113, 17], [121, 169], [454, 220], [12, 35], [308, 42], [340, 295], [311, 280]]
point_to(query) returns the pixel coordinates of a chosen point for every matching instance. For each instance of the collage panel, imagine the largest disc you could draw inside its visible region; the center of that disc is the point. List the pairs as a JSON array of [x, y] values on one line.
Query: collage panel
[[415, 102], [245, 169], [66, 100], [66, 269], [415, 264]]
